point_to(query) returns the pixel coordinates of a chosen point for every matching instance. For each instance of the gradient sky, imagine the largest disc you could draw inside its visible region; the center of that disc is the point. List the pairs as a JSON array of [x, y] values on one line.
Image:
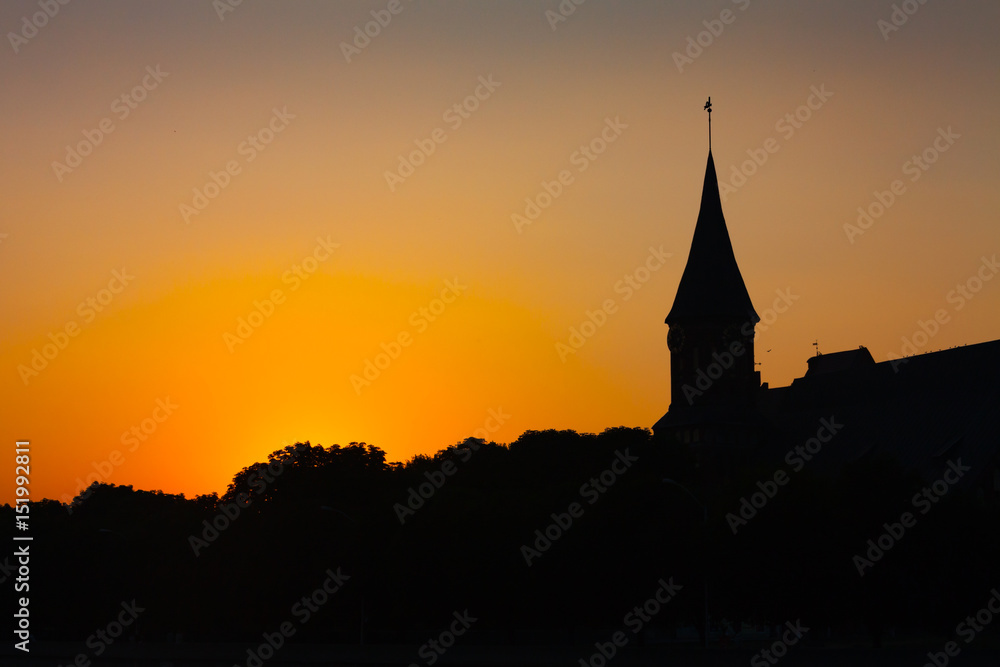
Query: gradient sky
[[887, 96]]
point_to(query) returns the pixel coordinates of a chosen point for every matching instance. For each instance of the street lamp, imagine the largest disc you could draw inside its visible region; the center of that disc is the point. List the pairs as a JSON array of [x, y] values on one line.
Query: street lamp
[[704, 541]]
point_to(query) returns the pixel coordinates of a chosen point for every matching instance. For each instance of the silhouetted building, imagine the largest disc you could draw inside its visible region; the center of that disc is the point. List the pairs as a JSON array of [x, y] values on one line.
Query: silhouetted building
[[923, 411], [713, 383], [712, 318]]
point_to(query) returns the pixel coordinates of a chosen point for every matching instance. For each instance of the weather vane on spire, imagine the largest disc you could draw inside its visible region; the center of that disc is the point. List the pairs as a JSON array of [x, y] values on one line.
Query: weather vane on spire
[[708, 108]]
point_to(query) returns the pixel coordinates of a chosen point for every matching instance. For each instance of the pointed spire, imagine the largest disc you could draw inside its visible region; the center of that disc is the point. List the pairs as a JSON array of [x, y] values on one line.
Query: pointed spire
[[711, 287]]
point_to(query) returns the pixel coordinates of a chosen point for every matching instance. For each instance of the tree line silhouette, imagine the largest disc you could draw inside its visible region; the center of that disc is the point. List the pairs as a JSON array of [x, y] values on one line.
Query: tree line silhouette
[[459, 543]]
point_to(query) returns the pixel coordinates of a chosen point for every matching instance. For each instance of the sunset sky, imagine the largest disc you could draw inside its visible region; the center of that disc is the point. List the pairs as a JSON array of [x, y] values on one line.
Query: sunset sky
[[172, 167]]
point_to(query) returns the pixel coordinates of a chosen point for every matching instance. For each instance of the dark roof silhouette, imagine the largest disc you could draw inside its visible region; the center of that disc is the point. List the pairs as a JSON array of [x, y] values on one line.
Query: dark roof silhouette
[[921, 411], [925, 412], [840, 361], [711, 286]]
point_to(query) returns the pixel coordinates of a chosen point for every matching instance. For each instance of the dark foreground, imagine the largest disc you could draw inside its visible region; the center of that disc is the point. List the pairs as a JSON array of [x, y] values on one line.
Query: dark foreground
[[210, 655]]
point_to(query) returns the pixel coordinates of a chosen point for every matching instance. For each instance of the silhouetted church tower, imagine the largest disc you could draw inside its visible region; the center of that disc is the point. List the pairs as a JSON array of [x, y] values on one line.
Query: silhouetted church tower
[[923, 411], [712, 320]]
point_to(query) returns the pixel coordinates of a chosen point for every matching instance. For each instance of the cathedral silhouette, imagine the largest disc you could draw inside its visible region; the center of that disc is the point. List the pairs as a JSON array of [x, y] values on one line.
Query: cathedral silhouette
[[924, 411]]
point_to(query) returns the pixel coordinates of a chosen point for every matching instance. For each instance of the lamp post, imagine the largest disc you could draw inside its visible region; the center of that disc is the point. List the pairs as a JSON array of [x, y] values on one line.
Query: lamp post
[[704, 541]]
